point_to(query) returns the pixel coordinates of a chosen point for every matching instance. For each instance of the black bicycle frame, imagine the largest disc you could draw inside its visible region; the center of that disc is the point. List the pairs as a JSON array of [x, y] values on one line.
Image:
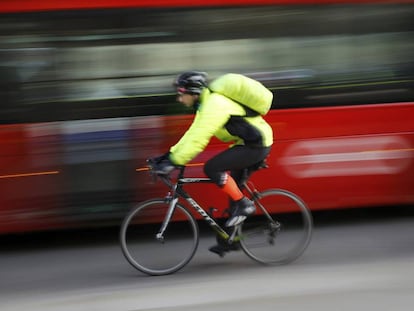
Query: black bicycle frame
[[181, 192], [178, 191]]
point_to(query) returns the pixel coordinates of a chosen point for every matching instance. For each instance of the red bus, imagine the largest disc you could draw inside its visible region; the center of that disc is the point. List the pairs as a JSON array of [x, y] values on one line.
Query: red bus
[[86, 97]]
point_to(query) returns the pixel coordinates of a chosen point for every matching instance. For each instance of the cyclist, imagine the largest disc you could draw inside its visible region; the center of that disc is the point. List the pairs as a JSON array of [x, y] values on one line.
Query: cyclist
[[219, 116]]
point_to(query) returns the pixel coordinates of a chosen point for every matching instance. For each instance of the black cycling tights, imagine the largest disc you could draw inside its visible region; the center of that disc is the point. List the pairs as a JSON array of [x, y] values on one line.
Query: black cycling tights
[[235, 160]]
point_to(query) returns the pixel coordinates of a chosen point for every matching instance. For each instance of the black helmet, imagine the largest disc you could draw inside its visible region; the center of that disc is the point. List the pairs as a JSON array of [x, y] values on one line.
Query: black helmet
[[191, 82]]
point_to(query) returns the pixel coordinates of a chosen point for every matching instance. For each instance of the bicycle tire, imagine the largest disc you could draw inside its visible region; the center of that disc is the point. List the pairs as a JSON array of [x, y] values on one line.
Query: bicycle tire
[[280, 234], [148, 254]]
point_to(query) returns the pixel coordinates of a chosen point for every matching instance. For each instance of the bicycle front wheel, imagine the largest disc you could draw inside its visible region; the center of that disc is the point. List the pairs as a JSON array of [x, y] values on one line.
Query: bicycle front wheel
[[150, 253], [281, 230]]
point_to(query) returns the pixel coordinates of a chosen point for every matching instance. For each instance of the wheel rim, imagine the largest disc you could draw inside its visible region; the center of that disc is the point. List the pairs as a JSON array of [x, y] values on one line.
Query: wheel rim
[[154, 256]]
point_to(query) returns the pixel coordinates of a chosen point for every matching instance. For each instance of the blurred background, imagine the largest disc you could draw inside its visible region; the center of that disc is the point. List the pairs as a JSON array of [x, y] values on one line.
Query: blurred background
[[120, 62], [86, 96]]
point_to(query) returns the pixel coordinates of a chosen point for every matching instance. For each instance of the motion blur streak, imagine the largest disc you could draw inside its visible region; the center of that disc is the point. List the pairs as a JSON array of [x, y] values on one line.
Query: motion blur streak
[[86, 97], [29, 174]]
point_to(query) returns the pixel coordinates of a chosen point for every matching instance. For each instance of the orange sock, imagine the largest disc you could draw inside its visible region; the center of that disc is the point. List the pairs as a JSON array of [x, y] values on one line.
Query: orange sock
[[231, 188]]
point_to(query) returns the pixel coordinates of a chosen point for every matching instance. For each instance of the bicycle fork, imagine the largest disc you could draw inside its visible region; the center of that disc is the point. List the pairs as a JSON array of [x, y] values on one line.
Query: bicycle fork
[[173, 201]]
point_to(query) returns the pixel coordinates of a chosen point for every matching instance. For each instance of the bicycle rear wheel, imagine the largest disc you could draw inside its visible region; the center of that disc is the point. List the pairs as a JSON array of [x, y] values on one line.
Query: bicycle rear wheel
[[152, 255], [281, 230]]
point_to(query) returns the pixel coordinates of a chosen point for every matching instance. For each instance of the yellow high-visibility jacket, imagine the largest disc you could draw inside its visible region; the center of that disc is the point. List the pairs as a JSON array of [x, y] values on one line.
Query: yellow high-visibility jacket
[[225, 119]]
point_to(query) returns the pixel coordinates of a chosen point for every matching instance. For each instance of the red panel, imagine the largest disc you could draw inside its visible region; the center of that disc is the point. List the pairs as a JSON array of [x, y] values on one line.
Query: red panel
[[8, 6], [30, 187], [334, 157]]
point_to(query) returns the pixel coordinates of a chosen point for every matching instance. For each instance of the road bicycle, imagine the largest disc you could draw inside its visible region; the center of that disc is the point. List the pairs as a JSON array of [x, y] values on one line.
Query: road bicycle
[[160, 236]]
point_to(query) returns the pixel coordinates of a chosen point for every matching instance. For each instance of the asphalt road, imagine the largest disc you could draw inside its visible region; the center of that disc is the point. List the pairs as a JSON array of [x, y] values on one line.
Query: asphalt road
[[356, 261]]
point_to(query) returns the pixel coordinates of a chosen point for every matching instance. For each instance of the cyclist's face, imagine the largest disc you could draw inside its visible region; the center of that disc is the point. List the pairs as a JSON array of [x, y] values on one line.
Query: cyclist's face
[[187, 100]]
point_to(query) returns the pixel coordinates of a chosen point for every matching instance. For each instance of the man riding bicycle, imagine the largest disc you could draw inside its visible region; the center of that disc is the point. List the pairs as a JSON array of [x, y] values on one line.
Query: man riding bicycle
[[251, 138]]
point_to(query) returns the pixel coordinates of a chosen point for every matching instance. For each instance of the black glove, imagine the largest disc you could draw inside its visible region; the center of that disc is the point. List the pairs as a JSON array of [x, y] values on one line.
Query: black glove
[[159, 159], [162, 164]]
